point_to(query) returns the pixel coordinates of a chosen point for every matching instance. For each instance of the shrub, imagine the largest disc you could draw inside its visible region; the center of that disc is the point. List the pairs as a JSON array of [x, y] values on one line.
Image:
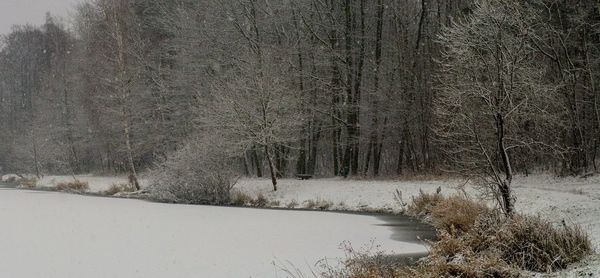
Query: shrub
[[476, 241], [260, 201], [292, 204], [198, 173], [118, 188], [318, 204], [75, 185], [537, 245], [27, 182], [456, 213], [239, 198], [11, 178], [423, 204]]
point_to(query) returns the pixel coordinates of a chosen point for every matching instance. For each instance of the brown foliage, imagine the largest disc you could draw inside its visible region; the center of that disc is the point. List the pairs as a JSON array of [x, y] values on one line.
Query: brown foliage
[[422, 205], [75, 185], [457, 214], [25, 182]]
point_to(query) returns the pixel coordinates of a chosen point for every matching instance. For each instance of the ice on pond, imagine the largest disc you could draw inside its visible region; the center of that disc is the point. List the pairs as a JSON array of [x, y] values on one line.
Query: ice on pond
[[47, 234]]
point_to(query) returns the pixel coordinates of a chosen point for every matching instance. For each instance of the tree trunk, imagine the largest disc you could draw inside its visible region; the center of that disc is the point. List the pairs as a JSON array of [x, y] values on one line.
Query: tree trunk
[[373, 149], [133, 179], [271, 168], [505, 185], [257, 163]]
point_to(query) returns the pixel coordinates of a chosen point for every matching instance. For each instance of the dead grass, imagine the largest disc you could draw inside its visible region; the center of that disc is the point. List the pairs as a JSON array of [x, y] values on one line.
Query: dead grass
[[260, 202], [317, 204], [537, 245], [118, 188], [239, 198], [422, 205], [456, 214], [476, 241], [292, 204], [27, 182], [75, 185]]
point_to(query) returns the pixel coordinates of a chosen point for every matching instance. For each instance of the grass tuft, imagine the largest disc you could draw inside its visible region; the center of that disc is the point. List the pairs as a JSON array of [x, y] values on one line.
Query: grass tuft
[[535, 244], [75, 185], [317, 204], [27, 182], [422, 205], [239, 198], [260, 202]]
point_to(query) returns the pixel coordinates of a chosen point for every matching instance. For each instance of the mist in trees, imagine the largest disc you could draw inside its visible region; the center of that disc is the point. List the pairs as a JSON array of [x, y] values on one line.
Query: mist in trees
[[487, 89]]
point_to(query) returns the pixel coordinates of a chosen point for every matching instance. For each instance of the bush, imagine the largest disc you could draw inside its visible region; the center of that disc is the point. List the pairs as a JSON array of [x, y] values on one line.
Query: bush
[[317, 204], [75, 185], [28, 182], [456, 214], [198, 173], [535, 244], [239, 198], [423, 204], [260, 202], [11, 178], [476, 241], [118, 188], [292, 204]]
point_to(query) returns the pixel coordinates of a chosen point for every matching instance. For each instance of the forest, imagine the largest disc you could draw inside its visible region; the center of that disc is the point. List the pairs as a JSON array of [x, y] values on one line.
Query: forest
[[248, 138], [351, 88]]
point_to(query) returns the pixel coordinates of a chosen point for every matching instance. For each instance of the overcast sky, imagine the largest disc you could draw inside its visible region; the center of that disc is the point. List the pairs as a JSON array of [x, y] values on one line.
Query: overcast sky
[[32, 11]]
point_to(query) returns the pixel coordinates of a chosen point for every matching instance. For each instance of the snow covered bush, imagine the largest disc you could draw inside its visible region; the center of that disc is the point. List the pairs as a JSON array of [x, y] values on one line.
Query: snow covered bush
[[118, 188], [75, 185], [198, 173]]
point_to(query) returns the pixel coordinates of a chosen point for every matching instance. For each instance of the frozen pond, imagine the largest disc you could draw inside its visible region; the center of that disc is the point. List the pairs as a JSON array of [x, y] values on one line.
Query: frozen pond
[[46, 234]]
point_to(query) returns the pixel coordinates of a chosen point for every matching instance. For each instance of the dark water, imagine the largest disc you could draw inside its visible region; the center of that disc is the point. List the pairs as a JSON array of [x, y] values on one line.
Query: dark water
[[407, 229], [7, 185]]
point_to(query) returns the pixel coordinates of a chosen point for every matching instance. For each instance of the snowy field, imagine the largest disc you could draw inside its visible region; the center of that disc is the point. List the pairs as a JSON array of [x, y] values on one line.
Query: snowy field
[[56, 235]]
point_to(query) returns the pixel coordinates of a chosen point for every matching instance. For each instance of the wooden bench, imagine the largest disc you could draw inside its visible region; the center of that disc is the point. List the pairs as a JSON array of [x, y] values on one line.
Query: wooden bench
[[304, 176]]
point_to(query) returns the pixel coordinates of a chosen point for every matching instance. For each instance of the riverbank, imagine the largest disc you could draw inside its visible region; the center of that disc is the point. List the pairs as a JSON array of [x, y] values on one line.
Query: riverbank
[[572, 200]]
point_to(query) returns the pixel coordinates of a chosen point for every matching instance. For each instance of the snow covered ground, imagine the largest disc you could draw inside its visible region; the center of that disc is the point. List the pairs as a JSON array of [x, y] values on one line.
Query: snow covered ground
[[56, 235]]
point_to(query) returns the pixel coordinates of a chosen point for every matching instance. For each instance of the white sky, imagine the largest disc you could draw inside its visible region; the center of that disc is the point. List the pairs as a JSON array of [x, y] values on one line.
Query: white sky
[[32, 11]]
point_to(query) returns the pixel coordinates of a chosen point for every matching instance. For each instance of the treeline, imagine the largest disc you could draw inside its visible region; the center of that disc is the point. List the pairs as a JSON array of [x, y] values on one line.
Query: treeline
[[286, 87]]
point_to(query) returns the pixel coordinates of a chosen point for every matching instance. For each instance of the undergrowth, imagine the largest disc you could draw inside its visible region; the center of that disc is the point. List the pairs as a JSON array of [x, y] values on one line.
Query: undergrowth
[[75, 185]]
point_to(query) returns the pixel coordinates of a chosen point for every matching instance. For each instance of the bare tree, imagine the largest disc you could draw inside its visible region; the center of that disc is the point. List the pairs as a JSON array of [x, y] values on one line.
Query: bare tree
[[253, 106], [493, 101]]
